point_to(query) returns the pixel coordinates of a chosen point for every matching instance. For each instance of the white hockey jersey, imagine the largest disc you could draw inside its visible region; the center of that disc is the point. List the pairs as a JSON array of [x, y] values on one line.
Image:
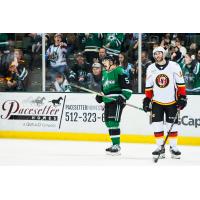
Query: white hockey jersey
[[58, 55], [164, 83], [64, 87]]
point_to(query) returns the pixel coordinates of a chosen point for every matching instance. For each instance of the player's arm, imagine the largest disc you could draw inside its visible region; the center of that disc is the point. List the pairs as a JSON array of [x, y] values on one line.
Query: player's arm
[[148, 90], [149, 84], [124, 84], [181, 89], [99, 98]]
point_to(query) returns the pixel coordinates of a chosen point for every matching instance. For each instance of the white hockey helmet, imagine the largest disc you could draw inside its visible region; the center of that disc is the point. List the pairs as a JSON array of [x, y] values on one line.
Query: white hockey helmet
[[160, 49]]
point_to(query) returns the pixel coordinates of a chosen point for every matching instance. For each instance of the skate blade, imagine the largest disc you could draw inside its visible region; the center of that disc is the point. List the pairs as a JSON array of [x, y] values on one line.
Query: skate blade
[[162, 156], [113, 154], [175, 156]]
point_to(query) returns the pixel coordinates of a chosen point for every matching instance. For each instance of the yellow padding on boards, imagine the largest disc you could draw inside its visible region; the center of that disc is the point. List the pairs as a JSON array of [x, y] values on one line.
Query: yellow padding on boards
[[183, 140]]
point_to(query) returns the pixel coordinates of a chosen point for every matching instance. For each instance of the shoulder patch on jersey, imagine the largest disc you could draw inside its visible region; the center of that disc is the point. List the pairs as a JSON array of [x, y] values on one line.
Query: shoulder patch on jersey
[[152, 68], [180, 74], [162, 80], [120, 70]]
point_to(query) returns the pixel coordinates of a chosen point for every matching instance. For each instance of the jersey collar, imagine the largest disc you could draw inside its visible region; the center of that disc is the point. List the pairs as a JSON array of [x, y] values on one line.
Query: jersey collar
[[162, 67]]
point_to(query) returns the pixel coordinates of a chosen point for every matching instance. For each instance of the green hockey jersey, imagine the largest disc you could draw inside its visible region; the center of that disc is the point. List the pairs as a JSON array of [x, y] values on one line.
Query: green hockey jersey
[[191, 75], [196, 71], [93, 41], [113, 42], [115, 83]]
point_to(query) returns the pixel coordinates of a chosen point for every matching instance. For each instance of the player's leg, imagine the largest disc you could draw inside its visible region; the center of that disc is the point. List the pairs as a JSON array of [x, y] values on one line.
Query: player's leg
[[158, 127], [112, 118], [171, 111]]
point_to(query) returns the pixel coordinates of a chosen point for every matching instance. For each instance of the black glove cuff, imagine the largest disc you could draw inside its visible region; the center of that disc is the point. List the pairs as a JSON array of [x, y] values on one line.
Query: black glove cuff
[[99, 99]]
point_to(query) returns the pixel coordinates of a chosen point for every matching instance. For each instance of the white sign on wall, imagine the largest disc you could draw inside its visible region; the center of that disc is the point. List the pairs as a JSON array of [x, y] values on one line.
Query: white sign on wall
[[68, 112]]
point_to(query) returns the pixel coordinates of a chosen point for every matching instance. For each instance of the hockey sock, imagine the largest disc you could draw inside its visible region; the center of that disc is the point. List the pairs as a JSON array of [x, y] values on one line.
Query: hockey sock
[[115, 136], [173, 134], [173, 139], [159, 136]]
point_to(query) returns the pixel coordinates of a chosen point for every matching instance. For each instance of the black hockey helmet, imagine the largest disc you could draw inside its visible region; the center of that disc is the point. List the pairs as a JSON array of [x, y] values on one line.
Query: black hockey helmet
[[111, 58]]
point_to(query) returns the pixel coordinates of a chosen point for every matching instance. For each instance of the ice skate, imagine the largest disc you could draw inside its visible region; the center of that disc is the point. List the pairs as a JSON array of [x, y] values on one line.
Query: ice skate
[[114, 150], [175, 153], [158, 151]]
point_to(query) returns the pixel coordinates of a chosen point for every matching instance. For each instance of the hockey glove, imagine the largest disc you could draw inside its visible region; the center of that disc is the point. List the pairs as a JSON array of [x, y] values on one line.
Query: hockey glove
[[120, 100], [99, 99], [182, 102], [146, 104]]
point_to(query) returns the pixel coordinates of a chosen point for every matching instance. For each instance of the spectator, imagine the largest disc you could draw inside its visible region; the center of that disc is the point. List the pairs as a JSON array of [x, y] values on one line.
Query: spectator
[[165, 43], [94, 78], [36, 50], [79, 71], [102, 55], [61, 84], [113, 43], [47, 41], [166, 40], [176, 55], [18, 73], [71, 43], [134, 77], [193, 49], [145, 63], [182, 49], [7, 55], [56, 54], [93, 42], [36, 42], [190, 68], [198, 55], [23, 42], [133, 48], [123, 61]]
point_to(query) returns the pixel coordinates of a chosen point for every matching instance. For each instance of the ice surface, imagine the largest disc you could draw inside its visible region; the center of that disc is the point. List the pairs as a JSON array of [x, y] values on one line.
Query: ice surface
[[49, 152]]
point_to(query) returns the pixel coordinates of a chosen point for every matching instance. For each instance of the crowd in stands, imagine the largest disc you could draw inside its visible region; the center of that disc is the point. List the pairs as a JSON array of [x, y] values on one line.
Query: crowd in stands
[[19, 54], [78, 58], [74, 57]]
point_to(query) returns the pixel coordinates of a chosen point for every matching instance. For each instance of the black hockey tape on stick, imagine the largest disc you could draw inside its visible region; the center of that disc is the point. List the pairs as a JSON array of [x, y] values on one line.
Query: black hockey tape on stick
[[62, 112], [163, 145], [97, 93], [150, 115]]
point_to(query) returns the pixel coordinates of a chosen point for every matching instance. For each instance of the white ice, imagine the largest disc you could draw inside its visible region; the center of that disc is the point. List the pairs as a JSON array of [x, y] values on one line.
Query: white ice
[[49, 152]]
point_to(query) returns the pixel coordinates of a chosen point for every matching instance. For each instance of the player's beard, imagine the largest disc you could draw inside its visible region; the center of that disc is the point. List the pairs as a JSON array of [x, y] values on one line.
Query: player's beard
[[160, 60]]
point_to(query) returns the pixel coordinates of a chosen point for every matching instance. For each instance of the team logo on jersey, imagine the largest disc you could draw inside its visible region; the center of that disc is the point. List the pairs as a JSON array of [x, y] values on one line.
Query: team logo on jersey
[[162, 80]]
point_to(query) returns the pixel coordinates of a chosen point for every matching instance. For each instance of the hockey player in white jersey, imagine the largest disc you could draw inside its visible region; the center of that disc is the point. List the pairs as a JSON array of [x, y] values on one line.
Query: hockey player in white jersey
[[165, 90]]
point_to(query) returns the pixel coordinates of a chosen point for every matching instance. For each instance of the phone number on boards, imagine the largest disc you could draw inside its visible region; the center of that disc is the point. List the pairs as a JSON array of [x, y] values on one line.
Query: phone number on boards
[[85, 117]]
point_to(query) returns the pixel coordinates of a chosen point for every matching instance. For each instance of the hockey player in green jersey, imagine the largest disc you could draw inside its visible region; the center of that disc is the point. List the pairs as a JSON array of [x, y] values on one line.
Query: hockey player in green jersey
[[116, 88]]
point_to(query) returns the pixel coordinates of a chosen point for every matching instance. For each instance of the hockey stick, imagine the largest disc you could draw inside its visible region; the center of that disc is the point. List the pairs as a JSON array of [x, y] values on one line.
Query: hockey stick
[[97, 93], [163, 145]]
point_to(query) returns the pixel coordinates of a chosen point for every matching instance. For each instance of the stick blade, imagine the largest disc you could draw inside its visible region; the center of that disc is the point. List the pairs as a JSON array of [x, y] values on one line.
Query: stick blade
[[155, 160]]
